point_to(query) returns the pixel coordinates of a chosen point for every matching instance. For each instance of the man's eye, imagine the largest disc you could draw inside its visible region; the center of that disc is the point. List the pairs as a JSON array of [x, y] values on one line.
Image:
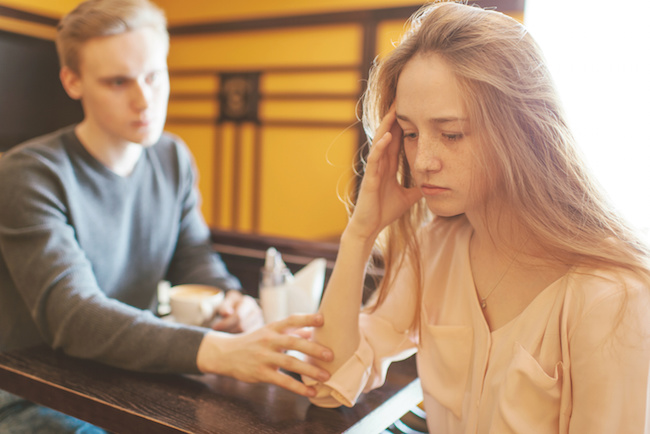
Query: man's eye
[[156, 77], [153, 77]]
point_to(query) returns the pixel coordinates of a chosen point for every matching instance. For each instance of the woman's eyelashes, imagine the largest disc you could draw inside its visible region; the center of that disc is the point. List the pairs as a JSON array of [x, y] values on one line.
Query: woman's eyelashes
[[452, 137], [448, 137], [409, 136]]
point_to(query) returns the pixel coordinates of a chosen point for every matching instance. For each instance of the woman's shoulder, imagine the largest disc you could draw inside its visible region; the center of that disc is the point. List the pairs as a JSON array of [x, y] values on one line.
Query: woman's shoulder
[[607, 306], [605, 293], [596, 284]]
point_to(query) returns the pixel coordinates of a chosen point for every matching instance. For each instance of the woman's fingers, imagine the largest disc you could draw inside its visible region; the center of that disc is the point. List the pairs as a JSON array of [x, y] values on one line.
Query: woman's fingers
[[386, 123]]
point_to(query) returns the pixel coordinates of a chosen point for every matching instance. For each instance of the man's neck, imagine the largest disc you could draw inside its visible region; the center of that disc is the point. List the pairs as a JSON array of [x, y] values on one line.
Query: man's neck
[[118, 157]]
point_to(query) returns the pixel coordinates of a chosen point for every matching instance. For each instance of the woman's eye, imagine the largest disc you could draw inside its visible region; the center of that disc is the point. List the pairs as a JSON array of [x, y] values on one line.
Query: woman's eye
[[409, 136], [453, 137]]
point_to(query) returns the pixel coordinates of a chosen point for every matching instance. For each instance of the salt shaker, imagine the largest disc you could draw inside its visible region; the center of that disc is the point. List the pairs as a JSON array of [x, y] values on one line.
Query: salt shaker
[[273, 291]]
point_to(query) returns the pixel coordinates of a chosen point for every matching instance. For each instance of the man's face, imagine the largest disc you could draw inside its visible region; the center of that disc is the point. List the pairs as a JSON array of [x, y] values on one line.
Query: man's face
[[123, 85]]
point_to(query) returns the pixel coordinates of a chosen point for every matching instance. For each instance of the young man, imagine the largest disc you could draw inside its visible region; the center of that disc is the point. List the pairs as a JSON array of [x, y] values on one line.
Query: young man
[[93, 216]]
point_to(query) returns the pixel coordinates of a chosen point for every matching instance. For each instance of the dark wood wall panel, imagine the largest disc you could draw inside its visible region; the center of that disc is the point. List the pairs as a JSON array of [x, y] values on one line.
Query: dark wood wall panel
[[32, 100]]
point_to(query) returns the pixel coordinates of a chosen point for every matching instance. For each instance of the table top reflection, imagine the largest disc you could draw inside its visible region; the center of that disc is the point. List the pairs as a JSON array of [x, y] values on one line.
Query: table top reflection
[[130, 402]]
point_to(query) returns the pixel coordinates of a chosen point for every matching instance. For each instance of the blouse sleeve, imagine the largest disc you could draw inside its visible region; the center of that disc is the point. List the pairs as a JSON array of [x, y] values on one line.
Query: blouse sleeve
[[385, 337], [610, 358]]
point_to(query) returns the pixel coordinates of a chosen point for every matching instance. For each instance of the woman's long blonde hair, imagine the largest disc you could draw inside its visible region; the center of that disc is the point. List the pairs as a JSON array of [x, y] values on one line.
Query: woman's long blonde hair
[[525, 145]]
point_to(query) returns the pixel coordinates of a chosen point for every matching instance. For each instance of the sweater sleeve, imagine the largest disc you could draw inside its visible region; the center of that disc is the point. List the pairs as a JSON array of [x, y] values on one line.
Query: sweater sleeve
[[194, 260], [55, 279], [610, 358]]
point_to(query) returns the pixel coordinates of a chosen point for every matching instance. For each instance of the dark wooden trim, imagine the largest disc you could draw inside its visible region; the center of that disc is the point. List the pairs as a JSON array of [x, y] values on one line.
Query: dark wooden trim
[[191, 120], [266, 70], [288, 246], [288, 123], [218, 183], [308, 124], [293, 96], [272, 96], [6, 11], [193, 96], [368, 55], [257, 180], [236, 173]]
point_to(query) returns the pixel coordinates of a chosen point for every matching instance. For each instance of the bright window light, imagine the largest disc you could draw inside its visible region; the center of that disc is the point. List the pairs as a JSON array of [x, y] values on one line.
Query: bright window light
[[598, 53]]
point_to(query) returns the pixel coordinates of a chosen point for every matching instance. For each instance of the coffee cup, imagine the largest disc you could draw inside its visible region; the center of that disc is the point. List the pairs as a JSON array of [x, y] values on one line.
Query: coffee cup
[[194, 304]]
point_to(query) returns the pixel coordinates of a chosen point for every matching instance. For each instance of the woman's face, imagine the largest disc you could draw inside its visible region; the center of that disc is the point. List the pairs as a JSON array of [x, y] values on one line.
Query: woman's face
[[438, 139]]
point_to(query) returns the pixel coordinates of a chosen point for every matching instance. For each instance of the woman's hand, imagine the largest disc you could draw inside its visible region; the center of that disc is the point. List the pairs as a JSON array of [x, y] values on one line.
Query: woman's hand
[[382, 199], [259, 355]]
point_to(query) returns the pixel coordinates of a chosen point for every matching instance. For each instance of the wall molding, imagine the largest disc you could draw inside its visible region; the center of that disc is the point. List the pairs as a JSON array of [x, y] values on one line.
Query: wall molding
[[30, 17]]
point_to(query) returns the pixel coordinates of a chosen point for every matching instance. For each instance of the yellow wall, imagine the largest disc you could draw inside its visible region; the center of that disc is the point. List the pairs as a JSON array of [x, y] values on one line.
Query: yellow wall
[[305, 142], [304, 170], [53, 8]]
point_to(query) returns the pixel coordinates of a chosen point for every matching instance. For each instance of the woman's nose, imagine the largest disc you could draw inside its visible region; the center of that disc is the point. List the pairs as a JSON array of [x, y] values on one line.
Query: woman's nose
[[427, 157]]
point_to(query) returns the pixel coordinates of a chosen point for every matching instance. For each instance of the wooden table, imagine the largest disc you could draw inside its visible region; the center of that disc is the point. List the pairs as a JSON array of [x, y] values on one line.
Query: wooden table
[[130, 402]]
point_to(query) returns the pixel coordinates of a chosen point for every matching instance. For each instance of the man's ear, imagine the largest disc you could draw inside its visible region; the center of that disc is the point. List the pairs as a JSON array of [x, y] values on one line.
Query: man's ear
[[71, 82]]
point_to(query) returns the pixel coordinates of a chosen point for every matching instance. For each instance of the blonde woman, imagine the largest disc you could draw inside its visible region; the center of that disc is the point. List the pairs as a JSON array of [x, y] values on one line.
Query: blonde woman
[[522, 291]]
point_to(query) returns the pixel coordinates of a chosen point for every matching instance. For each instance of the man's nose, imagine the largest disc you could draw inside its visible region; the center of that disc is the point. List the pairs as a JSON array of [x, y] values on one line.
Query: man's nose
[[141, 96]]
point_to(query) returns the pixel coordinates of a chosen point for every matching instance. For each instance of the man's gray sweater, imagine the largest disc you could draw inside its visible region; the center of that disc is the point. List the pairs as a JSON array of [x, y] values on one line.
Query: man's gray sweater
[[82, 251]]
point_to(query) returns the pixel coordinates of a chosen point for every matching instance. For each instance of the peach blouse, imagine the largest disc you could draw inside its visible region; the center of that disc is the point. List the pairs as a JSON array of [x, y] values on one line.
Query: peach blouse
[[561, 366]]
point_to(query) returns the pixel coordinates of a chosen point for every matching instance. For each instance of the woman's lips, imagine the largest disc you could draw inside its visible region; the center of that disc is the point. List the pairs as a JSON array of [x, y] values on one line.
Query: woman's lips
[[432, 190]]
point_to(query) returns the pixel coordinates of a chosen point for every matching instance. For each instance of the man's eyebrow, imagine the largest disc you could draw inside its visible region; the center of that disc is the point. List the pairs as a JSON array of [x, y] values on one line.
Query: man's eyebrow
[[113, 77]]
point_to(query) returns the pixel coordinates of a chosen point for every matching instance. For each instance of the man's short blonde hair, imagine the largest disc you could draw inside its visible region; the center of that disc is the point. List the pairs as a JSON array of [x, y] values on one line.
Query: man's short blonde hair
[[98, 18]]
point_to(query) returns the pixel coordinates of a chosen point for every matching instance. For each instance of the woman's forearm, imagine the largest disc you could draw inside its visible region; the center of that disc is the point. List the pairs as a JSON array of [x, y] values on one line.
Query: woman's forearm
[[342, 298]]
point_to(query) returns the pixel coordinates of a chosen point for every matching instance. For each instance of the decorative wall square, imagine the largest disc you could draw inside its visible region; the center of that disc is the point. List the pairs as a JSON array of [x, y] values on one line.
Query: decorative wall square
[[239, 97]]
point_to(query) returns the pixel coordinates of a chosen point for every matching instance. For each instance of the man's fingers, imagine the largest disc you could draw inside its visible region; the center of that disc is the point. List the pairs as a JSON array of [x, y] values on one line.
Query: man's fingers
[[293, 364], [305, 333], [291, 384], [309, 348], [227, 324], [298, 322]]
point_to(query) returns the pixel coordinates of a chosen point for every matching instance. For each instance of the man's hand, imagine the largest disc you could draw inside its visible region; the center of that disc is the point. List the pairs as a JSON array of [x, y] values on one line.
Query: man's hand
[[259, 355], [238, 313]]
